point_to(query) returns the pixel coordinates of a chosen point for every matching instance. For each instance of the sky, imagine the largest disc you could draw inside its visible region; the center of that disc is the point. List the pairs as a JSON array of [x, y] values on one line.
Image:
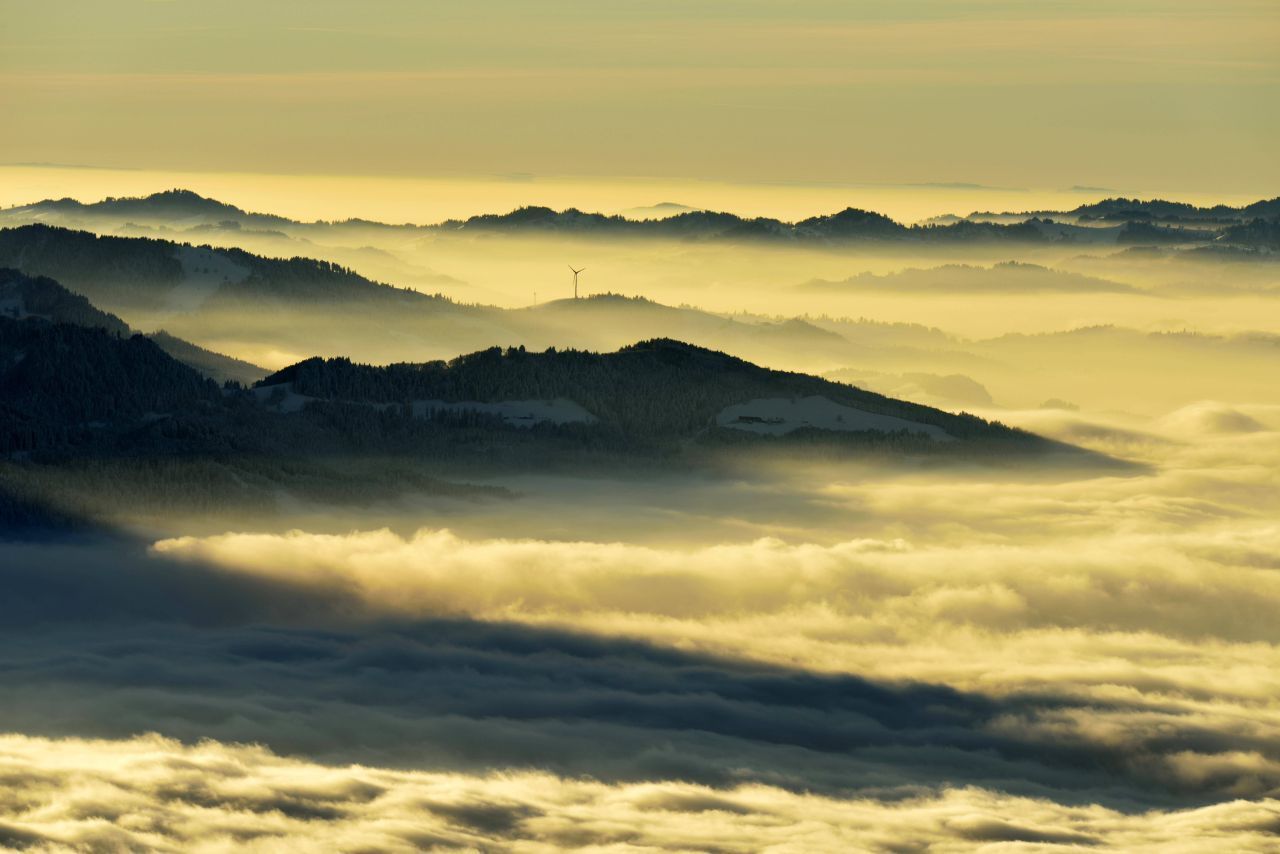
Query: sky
[[816, 98]]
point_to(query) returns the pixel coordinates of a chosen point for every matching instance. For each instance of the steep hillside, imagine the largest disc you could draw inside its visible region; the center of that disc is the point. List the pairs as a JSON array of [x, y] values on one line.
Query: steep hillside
[[41, 298], [167, 207], [23, 296]]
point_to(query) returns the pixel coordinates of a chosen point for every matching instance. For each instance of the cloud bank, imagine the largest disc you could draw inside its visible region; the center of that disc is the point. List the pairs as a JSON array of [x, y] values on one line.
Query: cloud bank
[[157, 794], [927, 659]]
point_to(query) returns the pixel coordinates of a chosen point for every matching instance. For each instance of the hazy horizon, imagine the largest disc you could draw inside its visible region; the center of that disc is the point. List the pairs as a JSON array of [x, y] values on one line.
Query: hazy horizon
[[425, 200]]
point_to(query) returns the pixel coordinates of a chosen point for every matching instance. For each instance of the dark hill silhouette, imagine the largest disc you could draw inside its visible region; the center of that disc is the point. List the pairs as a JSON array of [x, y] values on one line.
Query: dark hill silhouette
[[1146, 234], [159, 207], [1130, 210], [147, 274], [67, 389], [63, 383], [850, 223], [655, 390], [193, 212]]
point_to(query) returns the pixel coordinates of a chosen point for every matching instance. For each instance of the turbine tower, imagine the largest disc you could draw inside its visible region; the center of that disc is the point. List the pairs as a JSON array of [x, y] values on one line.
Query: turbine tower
[[575, 280]]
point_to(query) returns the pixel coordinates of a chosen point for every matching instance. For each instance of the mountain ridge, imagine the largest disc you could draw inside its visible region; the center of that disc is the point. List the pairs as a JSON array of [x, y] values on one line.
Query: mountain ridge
[[1081, 224]]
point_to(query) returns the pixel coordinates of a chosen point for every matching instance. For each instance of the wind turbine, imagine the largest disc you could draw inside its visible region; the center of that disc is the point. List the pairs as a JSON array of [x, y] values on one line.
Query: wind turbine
[[575, 280]]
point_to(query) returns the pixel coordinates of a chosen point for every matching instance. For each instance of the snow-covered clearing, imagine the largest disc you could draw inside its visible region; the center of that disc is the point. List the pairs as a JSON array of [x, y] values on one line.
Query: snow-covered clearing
[[203, 272]]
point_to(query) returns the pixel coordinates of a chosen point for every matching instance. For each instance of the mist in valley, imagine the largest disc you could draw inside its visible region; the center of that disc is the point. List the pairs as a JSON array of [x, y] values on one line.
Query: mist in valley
[[728, 427]]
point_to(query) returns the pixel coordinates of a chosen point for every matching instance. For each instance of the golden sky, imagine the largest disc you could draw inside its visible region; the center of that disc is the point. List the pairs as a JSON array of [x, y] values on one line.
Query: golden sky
[[1156, 96]]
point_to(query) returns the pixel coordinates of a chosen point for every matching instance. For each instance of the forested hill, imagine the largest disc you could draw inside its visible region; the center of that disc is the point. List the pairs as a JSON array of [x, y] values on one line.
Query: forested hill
[[1115, 221], [164, 206], [58, 379], [653, 390], [850, 223], [150, 274], [1134, 210], [73, 390], [26, 296]]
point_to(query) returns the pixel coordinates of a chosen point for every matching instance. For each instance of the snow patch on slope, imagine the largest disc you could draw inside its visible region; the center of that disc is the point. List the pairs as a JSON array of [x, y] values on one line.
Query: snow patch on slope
[[775, 416], [203, 272]]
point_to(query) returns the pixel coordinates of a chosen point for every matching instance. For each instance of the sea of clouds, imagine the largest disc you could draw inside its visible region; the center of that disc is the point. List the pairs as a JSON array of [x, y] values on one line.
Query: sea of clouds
[[936, 658]]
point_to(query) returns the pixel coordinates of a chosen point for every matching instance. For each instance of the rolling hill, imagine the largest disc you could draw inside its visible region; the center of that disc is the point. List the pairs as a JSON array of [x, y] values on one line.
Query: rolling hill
[[228, 299]]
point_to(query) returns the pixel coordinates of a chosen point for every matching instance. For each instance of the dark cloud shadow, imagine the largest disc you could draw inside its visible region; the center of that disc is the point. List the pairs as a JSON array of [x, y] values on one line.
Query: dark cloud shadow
[[111, 642]]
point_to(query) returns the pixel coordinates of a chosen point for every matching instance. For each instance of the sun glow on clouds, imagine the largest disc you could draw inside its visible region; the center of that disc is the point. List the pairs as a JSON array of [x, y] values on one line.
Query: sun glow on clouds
[[1091, 659], [1146, 600], [1170, 615], [158, 794], [1185, 551]]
